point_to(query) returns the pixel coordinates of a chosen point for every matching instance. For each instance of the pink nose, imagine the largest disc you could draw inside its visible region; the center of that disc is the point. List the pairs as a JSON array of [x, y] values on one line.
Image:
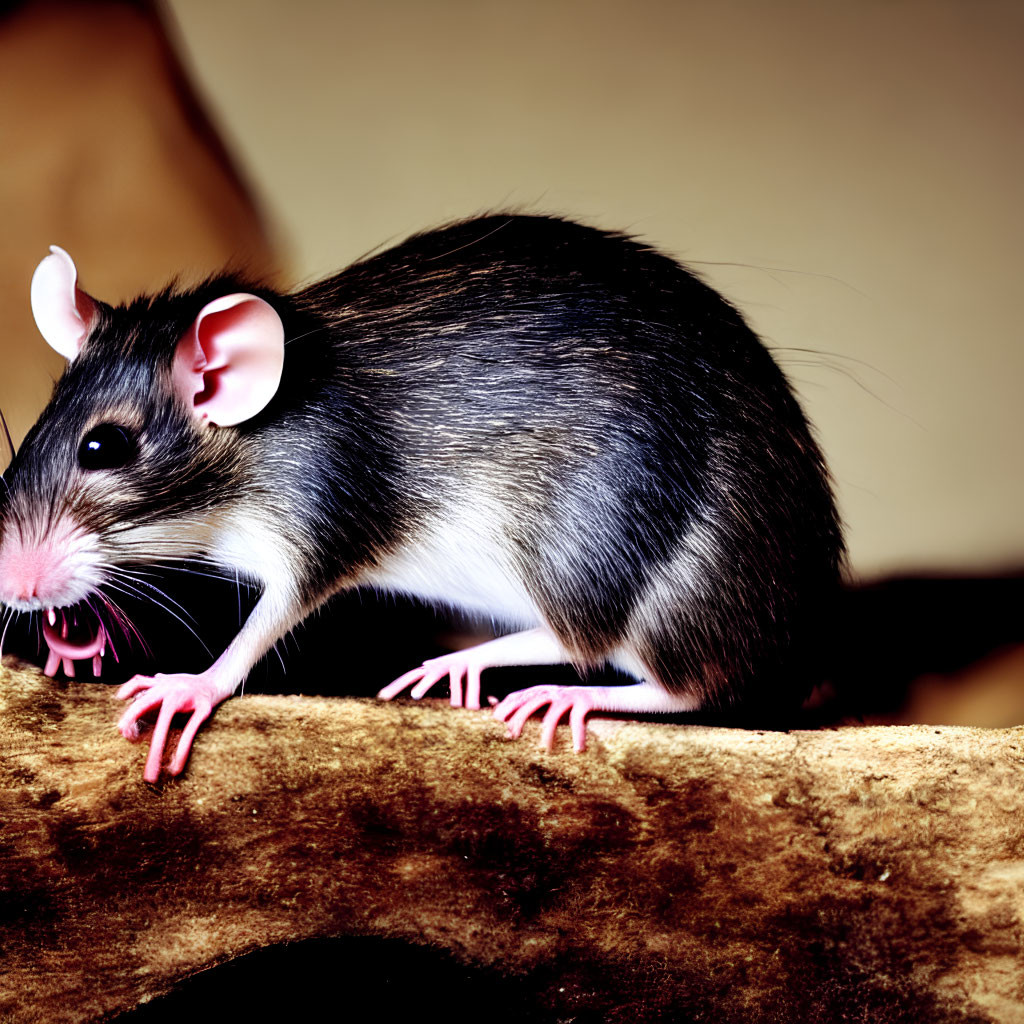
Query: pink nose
[[30, 571], [19, 573]]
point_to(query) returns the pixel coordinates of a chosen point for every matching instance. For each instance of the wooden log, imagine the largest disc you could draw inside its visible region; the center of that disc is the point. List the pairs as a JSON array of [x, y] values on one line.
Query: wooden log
[[668, 873]]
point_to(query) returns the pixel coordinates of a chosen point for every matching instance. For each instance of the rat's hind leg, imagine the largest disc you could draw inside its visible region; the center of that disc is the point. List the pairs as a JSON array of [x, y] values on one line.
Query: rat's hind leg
[[661, 648], [540, 647], [531, 647]]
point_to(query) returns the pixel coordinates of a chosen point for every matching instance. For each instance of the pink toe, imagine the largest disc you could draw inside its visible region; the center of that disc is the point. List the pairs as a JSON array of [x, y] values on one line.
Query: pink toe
[[158, 742], [128, 726], [393, 689], [550, 723], [507, 705], [423, 686], [473, 687], [132, 687], [518, 720], [578, 725], [455, 685], [188, 734]]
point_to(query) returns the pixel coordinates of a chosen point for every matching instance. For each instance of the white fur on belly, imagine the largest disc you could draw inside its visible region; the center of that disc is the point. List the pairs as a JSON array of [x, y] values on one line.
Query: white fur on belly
[[456, 562]]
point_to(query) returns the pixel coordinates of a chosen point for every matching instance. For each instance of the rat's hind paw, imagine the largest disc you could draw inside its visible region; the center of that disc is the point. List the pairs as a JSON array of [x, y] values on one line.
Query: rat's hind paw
[[577, 701]]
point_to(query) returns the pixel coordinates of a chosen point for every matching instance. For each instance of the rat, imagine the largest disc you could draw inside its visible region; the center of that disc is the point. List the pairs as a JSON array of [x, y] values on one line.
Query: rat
[[556, 429]]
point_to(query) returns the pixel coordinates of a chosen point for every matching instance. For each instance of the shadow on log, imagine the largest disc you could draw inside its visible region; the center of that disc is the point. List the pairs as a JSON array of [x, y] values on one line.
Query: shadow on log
[[671, 873]]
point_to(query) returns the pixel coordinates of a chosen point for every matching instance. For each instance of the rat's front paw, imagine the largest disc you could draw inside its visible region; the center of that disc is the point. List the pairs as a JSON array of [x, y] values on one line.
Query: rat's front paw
[[577, 701], [463, 669], [174, 693]]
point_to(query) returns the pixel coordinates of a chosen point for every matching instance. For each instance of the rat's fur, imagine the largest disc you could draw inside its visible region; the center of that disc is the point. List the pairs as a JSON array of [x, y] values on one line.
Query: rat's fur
[[518, 416]]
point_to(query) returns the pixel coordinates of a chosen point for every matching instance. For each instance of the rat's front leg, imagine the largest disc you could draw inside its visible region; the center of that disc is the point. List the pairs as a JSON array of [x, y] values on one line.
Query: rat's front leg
[[198, 694]]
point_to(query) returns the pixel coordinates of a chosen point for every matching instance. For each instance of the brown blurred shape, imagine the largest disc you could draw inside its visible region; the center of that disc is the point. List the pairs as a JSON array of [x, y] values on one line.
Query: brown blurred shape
[[108, 153]]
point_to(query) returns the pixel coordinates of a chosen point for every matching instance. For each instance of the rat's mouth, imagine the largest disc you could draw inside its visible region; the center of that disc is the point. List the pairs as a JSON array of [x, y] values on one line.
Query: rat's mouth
[[74, 634]]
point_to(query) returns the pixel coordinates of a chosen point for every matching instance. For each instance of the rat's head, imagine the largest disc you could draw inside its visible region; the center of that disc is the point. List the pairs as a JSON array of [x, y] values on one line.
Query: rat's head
[[143, 441]]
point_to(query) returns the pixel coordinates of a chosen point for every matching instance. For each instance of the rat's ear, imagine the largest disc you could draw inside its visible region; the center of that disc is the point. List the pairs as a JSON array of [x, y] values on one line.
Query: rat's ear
[[64, 313], [228, 365]]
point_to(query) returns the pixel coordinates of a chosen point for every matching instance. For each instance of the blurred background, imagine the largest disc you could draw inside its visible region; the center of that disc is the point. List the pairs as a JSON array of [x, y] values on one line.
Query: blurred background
[[847, 173], [850, 174]]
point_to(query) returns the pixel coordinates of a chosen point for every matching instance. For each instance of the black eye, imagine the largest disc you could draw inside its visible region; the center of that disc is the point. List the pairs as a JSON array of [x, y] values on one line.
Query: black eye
[[107, 446]]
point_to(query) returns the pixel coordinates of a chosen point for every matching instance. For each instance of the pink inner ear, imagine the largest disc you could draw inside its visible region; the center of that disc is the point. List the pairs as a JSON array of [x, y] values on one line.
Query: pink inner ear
[[228, 366], [63, 313], [187, 369]]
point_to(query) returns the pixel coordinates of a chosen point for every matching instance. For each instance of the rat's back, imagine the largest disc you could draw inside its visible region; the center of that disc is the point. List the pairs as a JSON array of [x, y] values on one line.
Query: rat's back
[[587, 437]]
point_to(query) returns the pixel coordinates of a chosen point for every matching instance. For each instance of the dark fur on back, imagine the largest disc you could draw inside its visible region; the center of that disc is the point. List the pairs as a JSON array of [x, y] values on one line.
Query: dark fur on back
[[618, 405]]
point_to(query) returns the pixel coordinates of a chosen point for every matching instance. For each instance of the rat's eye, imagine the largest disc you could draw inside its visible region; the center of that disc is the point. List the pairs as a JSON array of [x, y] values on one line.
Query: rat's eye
[[107, 446]]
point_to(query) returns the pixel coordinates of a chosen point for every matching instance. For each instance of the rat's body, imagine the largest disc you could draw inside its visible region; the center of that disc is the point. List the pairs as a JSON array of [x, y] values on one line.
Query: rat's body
[[548, 426]]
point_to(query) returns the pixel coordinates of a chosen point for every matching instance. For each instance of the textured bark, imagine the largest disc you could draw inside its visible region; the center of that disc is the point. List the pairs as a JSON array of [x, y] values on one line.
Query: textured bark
[[669, 873]]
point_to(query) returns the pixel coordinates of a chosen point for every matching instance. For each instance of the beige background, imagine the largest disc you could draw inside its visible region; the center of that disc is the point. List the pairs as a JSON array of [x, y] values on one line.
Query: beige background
[[849, 173]]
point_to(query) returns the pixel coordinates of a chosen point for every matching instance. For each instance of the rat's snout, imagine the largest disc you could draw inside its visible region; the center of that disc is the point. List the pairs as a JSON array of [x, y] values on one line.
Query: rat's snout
[[48, 571], [25, 571]]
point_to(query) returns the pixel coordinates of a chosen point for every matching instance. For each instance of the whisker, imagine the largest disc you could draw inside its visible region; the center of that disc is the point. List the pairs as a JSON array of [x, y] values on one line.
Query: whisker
[[125, 586], [173, 568], [9, 618], [280, 656], [124, 576], [107, 639], [128, 628]]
